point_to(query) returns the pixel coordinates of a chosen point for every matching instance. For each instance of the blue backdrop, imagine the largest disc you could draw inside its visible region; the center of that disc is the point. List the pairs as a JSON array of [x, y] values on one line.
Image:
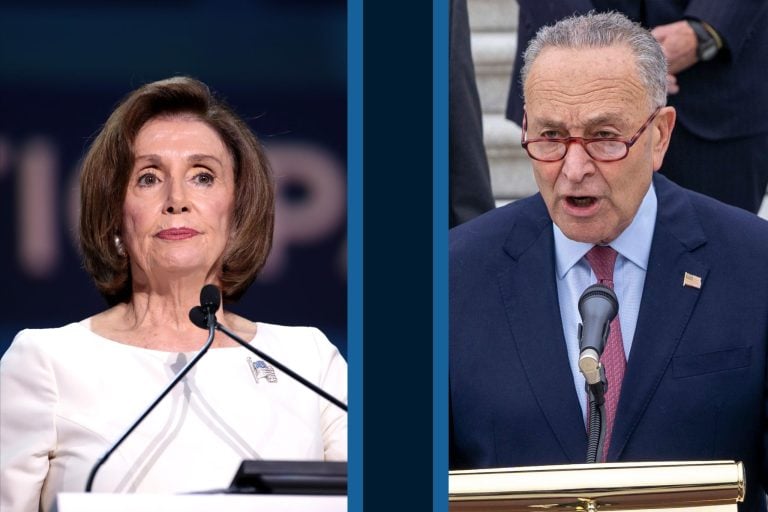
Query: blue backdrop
[[280, 64]]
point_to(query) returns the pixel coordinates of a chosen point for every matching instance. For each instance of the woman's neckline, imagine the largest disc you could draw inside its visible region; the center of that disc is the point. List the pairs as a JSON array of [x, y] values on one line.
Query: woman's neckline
[[86, 324]]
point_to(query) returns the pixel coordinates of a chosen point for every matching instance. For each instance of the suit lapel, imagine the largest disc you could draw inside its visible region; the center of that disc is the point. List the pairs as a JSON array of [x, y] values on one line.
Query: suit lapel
[[529, 294], [665, 309]]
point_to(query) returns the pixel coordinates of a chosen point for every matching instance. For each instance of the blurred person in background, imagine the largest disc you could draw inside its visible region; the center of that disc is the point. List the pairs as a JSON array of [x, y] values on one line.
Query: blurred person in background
[[470, 192]]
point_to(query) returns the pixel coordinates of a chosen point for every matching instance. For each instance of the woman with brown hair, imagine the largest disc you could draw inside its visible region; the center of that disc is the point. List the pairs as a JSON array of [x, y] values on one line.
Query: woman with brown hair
[[176, 193]]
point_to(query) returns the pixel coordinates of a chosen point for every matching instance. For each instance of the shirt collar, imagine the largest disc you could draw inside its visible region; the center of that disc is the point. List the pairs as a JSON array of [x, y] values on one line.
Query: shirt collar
[[634, 243]]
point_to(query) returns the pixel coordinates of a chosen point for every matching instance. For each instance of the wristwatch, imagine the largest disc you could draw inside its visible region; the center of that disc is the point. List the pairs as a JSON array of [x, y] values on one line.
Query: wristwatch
[[707, 43]]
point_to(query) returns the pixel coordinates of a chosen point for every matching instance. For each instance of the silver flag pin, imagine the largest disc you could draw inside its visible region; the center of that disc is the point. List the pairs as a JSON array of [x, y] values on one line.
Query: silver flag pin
[[262, 371]]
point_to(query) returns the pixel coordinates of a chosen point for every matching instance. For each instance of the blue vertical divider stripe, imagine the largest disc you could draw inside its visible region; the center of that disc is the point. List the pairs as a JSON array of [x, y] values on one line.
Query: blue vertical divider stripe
[[440, 25], [355, 249]]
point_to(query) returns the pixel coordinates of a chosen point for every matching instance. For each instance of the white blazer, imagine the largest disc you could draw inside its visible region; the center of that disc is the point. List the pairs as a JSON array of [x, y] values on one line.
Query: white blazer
[[67, 394]]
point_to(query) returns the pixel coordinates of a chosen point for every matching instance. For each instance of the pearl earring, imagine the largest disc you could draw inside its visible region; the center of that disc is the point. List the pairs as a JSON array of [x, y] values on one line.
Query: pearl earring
[[119, 246]]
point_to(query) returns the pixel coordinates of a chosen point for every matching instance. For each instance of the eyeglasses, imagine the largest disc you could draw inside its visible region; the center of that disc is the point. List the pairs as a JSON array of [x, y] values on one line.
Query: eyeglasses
[[604, 149]]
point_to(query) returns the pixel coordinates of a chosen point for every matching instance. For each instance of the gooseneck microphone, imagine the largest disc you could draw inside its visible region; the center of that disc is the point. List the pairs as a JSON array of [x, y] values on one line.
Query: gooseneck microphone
[[210, 300], [598, 306], [209, 305], [201, 318]]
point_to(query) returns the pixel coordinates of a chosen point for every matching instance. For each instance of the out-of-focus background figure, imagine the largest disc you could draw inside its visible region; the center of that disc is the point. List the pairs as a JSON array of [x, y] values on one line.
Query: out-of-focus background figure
[[469, 179], [279, 64]]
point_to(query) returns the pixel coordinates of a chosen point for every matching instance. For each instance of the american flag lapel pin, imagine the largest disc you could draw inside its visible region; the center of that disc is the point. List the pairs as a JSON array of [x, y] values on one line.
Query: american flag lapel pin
[[262, 371], [692, 281]]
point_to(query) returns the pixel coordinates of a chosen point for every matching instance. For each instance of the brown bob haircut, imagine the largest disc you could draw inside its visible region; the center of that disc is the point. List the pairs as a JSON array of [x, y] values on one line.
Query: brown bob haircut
[[107, 167]]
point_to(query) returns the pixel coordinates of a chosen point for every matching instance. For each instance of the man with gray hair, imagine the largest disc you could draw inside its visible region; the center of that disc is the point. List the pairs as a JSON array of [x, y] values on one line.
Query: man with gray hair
[[716, 55], [685, 359]]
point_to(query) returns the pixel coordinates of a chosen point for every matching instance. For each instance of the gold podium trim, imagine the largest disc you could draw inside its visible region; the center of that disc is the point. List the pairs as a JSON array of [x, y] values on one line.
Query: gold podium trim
[[704, 486]]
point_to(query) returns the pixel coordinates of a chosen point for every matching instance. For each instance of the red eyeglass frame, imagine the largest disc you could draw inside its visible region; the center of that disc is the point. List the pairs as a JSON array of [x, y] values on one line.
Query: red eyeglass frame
[[584, 140]]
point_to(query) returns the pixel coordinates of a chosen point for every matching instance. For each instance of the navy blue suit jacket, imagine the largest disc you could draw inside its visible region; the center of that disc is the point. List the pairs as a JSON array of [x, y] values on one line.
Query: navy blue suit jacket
[[719, 99], [695, 386]]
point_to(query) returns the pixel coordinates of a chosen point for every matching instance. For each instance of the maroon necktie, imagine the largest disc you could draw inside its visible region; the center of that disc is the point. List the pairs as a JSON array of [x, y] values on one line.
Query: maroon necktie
[[602, 259]]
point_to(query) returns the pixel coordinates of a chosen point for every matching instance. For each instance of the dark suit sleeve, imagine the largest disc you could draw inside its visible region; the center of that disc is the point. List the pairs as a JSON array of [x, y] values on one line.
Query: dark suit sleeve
[[734, 21], [469, 176]]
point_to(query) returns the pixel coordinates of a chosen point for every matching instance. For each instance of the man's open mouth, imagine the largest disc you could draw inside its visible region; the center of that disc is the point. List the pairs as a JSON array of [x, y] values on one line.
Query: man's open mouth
[[581, 201]]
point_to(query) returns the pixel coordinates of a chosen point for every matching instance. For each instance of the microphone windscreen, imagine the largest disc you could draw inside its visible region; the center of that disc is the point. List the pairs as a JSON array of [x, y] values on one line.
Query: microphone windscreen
[[198, 317], [596, 297], [210, 298]]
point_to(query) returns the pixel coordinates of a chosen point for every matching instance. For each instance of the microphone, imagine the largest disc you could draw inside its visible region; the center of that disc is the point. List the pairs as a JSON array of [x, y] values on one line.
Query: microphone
[[210, 304], [202, 318], [598, 306], [210, 300]]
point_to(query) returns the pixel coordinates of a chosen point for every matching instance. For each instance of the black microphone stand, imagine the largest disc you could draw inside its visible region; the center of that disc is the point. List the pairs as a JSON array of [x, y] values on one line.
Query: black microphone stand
[[597, 419], [211, 322], [598, 306]]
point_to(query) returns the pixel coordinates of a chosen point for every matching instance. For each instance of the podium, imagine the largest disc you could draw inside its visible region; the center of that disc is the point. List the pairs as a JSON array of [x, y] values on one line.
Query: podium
[[712, 486]]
